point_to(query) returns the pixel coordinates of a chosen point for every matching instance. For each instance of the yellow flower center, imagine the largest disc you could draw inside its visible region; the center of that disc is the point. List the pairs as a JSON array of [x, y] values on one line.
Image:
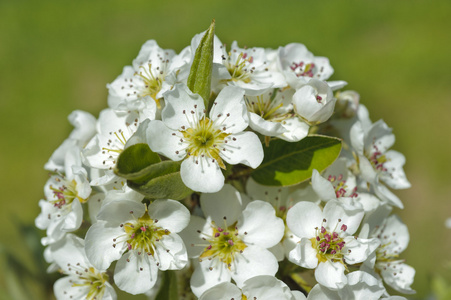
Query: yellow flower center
[[205, 139], [153, 82], [238, 70], [143, 234], [329, 245], [65, 193], [90, 277], [224, 245]]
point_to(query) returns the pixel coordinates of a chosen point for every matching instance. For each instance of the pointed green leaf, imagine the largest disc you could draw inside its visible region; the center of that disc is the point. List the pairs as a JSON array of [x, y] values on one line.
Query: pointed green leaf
[[287, 163], [147, 174], [199, 79], [168, 290], [135, 158], [161, 180]]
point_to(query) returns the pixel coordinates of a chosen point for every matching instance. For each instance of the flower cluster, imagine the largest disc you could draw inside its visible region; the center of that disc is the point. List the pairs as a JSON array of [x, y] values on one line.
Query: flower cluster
[[237, 195]]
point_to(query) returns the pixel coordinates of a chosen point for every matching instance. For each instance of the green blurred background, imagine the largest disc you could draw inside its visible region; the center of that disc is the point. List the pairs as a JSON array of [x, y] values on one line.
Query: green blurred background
[[57, 56]]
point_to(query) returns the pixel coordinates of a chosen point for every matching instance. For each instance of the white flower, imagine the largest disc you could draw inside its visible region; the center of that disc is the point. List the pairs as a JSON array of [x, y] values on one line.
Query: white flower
[[359, 285], [144, 240], [299, 66], [154, 71], [282, 200], [394, 237], [347, 104], [203, 141], [114, 131], [314, 102], [271, 114], [83, 281], [372, 145], [326, 241], [337, 182], [247, 68], [84, 130], [232, 243], [61, 212], [376, 162], [262, 287]]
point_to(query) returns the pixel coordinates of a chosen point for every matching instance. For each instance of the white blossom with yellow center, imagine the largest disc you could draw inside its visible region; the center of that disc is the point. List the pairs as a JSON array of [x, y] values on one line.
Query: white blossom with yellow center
[[233, 242], [261, 287], [377, 164], [248, 68], [204, 141], [154, 72], [142, 239], [326, 237], [83, 280], [386, 262], [61, 211], [271, 114]]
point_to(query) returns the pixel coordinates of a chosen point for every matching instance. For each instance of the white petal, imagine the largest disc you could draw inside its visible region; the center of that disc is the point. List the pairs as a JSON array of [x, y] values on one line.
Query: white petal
[[245, 149], [322, 187], [204, 278], [117, 212], [296, 130], [225, 203], [357, 136], [362, 285], [64, 289], [260, 223], [73, 220], [180, 103], [337, 213], [252, 262], [170, 252], [192, 235], [265, 127], [69, 250], [395, 176], [99, 245], [229, 110], [303, 218], [201, 174], [171, 215], [135, 274], [161, 140], [360, 249], [320, 292], [304, 254], [278, 251], [379, 135], [43, 221], [395, 235], [84, 124], [331, 275], [400, 277], [225, 290], [266, 287]]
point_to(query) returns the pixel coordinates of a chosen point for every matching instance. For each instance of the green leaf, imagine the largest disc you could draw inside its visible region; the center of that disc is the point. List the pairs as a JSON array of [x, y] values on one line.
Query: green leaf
[[161, 180], [147, 174], [135, 158], [168, 290], [287, 163], [199, 79]]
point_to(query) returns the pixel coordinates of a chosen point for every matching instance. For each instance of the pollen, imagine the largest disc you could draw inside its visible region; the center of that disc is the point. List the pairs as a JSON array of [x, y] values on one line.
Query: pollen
[[204, 139], [91, 278], [224, 244], [143, 234], [329, 244], [240, 69]]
